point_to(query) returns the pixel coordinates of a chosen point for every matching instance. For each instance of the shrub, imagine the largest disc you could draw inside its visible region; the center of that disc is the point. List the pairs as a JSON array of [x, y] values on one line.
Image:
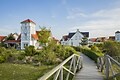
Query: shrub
[[5, 54], [112, 48], [95, 48], [92, 54], [30, 51], [77, 48], [69, 51]]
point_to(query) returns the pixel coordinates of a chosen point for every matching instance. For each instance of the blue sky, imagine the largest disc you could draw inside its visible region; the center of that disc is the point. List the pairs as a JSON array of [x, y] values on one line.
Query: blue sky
[[99, 17]]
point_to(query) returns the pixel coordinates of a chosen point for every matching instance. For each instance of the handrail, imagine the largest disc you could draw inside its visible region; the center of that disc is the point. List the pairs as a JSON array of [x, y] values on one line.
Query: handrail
[[106, 64], [76, 63]]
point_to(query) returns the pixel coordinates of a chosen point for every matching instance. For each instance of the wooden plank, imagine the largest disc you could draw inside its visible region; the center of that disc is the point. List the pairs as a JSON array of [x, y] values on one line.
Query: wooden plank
[[89, 71]]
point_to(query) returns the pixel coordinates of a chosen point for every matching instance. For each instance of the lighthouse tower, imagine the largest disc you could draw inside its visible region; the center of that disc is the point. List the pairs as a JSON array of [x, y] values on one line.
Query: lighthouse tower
[[28, 33], [117, 36]]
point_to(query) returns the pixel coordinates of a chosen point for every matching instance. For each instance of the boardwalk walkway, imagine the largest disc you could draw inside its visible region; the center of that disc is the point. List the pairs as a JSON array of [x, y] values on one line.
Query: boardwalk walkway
[[89, 70]]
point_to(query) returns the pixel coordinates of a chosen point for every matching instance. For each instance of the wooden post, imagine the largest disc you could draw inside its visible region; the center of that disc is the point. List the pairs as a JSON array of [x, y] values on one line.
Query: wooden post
[[61, 74], [107, 67], [70, 68], [74, 62]]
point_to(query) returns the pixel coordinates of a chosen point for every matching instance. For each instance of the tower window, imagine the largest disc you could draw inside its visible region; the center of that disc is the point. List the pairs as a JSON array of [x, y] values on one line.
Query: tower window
[[25, 44], [25, 36]]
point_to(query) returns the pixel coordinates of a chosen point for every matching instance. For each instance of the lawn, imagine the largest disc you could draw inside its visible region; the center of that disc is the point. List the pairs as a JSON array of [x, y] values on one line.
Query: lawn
[[10, 71]]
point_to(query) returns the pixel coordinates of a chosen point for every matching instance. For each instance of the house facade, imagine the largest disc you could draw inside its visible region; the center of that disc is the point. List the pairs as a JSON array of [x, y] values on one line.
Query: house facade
[[117, 36], [28, 34], [74, 39]]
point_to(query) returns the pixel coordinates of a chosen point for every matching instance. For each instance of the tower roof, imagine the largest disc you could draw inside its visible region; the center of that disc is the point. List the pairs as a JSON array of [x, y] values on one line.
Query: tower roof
[[28, 21], [117, 32]]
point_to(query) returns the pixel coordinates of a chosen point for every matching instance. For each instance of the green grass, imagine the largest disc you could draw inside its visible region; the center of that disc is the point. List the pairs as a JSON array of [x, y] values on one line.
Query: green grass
[[22, 72]]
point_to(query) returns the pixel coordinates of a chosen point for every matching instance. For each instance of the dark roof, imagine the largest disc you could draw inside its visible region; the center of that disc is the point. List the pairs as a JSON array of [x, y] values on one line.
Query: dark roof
[[28, 21], [112, 38], [65, 37], [85, 34], [70, 35], [117, 32]]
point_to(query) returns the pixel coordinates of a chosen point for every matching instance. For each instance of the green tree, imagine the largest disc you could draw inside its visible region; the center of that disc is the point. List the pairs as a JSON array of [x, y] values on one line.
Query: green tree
[[30, 50], [112, 48], [44, 35], [84, 41]]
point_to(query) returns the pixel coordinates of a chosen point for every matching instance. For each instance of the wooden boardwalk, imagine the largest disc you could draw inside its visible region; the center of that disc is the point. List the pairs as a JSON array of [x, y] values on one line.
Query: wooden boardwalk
[[89, 70]]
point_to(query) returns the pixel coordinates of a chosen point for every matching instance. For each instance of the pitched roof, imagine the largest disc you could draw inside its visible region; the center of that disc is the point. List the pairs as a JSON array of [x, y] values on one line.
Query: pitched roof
[[117, 32], [65, 37], [19, 37], [70, 35], [28, 21], [1, 38], [85, 34], [35, 36]]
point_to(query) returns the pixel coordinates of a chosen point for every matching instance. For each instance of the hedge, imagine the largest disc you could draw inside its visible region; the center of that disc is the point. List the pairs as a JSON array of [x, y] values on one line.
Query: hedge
[[91, 54]]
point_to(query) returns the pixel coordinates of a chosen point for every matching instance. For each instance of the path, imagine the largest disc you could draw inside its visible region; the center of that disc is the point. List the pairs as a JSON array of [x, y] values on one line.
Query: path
[[89, 70]]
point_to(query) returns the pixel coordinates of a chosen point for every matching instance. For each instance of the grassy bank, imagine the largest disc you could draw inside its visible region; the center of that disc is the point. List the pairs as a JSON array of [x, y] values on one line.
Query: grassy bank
[[22, 72]]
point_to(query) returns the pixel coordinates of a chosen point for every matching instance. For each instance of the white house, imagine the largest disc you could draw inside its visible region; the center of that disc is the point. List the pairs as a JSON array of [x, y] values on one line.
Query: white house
[[117, 36], [74, 39], [28, 34]]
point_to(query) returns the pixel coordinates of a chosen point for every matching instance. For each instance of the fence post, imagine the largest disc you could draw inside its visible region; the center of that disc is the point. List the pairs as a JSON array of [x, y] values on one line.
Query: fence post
[[74, 63], [61, 73], [107, 67]]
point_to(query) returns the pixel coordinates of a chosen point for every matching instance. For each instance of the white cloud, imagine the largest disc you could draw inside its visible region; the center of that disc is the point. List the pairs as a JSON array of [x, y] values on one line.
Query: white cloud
[[75, 13], [7, 29], [113, 13], [103, 23]]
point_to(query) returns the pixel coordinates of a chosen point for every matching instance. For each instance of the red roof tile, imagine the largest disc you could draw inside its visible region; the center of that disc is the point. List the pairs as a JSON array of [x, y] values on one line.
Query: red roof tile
[[28, 21], [2, 37], [12, 41], [93, 39], [35, 36]]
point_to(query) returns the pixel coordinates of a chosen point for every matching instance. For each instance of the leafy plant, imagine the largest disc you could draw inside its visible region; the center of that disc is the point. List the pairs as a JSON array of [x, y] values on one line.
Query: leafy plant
[[44, 35], [30, 51]]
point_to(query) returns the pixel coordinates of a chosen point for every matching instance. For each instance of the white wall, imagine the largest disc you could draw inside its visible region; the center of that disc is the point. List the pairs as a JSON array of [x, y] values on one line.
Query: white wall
[[76, 39], [117, 37], [28, 28]]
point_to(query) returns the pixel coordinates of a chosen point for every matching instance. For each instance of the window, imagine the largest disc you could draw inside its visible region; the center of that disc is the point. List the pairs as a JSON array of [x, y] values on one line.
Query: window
[[71, 42], [25, 36], [25, 44]]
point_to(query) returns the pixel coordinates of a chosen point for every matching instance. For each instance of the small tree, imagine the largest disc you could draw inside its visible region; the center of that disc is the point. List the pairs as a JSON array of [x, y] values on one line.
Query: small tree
[[112, 48], [30, 51], [44, 35], [84, 41]]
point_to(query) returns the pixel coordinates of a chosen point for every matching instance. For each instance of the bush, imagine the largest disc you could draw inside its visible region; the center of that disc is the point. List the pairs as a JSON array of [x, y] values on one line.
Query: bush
[[112, 48], [30, 51], [77, 48], [5, 54], [92, 54]]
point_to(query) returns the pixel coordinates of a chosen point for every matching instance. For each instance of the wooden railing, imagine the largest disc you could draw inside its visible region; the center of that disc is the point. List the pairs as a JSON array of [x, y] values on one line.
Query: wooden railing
[[65, 69], [109, 66]]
